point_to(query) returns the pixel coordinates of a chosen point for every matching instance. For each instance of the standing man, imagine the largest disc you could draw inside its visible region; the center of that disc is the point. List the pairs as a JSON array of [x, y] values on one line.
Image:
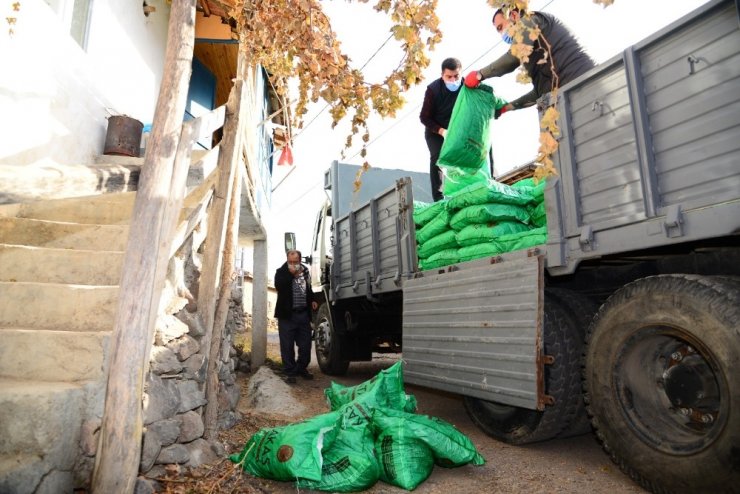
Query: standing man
[[439, 100], [567, 56], [293, 312]]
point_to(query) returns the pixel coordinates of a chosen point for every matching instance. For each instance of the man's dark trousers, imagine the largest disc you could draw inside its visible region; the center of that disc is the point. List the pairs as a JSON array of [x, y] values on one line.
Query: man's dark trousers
[[434, 143], [293, 332]]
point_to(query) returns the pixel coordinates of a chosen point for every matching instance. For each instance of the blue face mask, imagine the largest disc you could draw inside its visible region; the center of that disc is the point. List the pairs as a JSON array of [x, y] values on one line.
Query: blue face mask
[[507, 39], [453, 86]]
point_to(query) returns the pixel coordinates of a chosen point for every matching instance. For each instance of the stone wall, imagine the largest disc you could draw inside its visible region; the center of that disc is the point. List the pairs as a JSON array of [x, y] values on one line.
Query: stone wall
[[174, 398]]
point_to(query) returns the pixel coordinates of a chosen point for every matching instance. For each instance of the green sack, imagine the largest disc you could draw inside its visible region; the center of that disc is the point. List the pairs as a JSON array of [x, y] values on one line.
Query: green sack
[[438, 225], [488, 213], [349, 464], [424, 212], [478, 251], [476, 234], [450, 447], [458, 179], [440, 259], [404, 460], [291, 451], [535, 190], [524, 240], [489, 192], [384, 389], [438, 243], [538, 215], [468, 139]]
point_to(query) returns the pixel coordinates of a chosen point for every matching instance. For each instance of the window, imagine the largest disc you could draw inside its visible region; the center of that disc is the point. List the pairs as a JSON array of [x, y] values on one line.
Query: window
[[75, 14]]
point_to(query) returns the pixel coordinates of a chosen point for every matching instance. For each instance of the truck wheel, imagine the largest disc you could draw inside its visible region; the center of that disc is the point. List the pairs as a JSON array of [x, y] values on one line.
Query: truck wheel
[[581, 310], [662, 382], [328, 344], [516, 425]]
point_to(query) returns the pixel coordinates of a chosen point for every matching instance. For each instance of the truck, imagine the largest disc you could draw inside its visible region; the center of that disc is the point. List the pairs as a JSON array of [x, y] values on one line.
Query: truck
[[626, 322]]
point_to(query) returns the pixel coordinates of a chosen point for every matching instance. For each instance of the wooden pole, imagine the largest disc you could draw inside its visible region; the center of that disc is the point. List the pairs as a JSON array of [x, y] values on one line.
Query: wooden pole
[[228, 159], [145, 266], [210, 419]]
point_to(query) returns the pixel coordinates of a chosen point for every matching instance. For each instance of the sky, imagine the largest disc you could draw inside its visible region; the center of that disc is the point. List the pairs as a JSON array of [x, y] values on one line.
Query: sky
[[399, 142]]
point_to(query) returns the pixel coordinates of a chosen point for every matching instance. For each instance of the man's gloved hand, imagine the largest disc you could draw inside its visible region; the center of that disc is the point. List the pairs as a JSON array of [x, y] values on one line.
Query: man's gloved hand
[[472, 80], [502, 110]]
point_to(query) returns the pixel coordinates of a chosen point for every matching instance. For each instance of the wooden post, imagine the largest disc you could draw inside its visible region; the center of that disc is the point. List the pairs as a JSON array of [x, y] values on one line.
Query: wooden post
[[259, 304], [161, 187], [210, 419]]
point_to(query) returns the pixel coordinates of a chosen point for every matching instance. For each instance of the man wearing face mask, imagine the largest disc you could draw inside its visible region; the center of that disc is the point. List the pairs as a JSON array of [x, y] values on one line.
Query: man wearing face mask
[[293, 312], [567, 56], [439, 100]]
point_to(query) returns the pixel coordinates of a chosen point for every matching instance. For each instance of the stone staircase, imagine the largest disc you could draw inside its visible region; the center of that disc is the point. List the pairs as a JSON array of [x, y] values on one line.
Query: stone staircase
[[60, 265]]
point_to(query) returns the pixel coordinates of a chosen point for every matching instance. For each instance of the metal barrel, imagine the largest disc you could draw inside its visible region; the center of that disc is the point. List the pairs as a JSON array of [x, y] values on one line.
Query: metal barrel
[[123, 137]]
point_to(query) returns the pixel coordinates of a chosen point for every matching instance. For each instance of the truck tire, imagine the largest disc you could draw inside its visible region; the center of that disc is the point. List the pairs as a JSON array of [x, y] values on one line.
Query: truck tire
[[328, 344], [516, 425], [662, 382], [581, 310]]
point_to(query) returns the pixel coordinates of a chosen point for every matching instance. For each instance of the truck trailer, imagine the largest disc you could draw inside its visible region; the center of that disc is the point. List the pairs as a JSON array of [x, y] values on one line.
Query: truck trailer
[[627, 321]]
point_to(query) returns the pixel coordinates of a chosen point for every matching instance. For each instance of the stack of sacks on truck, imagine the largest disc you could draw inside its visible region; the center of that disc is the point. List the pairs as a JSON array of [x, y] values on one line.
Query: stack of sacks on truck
[[371, 434], [483, 219]]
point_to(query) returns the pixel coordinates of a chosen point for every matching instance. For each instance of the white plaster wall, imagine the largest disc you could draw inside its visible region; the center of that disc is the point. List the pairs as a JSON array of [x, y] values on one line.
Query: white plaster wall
[[55, 97]]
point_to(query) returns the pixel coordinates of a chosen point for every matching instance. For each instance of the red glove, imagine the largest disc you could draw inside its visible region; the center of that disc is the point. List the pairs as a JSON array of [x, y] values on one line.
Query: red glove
[[471, 80], [500, 111]]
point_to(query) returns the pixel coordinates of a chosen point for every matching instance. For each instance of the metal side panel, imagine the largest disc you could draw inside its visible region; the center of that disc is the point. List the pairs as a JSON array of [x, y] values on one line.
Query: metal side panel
[[476, 330]]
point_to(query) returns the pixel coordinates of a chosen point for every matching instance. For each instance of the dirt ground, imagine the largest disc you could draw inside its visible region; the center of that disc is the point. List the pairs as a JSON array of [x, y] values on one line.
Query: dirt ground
[[574, 465]]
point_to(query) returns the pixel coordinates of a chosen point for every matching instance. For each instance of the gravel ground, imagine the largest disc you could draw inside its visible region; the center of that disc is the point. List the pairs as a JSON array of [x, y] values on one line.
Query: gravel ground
[[574, 465]]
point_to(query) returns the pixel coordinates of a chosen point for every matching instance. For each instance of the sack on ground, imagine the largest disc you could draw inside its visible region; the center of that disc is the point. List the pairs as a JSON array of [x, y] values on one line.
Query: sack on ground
[[488, 213], [443, 241], [404, 460], [384, 389], [449, 446], [290, 452], [349, 464]]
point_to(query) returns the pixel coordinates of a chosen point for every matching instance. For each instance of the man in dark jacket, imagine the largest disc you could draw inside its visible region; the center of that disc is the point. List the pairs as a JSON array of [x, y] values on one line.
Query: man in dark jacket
[[567, 56], [436, 111], [293, 311]]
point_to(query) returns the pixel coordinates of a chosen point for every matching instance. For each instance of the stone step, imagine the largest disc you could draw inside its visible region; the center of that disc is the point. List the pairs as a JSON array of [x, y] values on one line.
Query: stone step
[[40, 233], [45, 265], [40, 424], [105, 209], [57, 306], [23, 183], [44, 355]]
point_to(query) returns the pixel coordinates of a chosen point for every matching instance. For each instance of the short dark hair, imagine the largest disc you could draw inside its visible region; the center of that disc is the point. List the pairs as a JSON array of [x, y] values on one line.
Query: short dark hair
[[501, 11], [451, 64]]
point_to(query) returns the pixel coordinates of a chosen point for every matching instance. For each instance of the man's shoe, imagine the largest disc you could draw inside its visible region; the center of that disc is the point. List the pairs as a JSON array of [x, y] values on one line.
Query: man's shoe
[[306, 375], [290, 380]]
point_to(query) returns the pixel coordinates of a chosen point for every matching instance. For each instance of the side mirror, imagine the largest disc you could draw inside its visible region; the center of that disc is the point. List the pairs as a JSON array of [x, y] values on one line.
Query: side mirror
[[289, 241]]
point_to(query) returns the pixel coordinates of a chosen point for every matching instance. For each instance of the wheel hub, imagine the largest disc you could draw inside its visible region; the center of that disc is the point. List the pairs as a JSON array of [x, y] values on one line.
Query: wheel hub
[[690, 383]]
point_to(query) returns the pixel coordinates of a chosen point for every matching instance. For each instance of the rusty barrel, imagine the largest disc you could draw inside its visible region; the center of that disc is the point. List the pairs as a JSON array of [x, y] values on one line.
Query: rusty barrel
[[123, 137]]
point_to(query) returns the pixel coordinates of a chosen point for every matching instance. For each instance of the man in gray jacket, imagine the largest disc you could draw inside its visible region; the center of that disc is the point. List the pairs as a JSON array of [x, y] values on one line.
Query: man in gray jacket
[[567, 57]]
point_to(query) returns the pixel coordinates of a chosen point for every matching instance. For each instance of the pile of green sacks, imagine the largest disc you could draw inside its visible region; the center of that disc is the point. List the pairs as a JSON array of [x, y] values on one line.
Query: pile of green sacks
[[483, 219], [371, 434], [479, 217]]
